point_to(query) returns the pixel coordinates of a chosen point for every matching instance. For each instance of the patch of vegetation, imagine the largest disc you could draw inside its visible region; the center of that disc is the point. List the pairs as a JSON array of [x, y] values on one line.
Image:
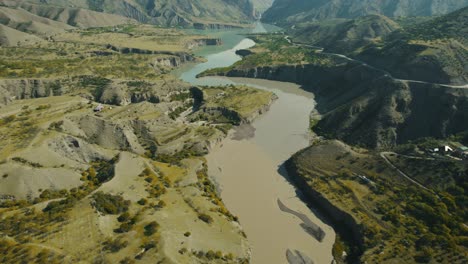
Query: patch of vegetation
[[7, 119], [224, 128], [142, 201], [109, 204], [207, 186], [205, 218], [271, 50], [58, 207], [151, 228], [127, 222], [114, 245], [43, 107], [57, 126], [397, 218], [19, 253], [27, 162], [183, 96], [217, 255], [174, 114], [100, 171], [176, 157]]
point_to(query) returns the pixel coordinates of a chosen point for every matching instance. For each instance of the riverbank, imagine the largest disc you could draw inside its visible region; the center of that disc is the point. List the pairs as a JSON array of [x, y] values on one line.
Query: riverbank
[[247, 166]]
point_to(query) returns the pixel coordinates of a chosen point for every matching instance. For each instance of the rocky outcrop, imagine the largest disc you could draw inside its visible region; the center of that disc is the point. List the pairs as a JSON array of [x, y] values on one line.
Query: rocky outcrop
[[204, 42], [173, 59], [95, 130], [167, 62], [230, 114], [15, 89], [363, 105], [120, 94]]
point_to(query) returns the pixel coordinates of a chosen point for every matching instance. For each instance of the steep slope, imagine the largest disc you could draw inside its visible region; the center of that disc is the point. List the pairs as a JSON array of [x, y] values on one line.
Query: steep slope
[[343, 36], [25, 21], [10, 37], [169, 13], [358, 103], [377, 210], [293, 11], [433, 51], [76, 17]]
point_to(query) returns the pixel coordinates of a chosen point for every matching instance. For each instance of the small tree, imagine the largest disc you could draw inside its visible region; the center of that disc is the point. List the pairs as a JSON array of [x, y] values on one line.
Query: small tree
[[151, 228]]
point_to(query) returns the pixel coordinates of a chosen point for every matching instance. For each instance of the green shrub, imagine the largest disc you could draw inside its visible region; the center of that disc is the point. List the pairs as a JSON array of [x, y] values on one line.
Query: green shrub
[[110, 204], [114, 245], [123, 217], [142, 201], [151, 228], [124, 228], [205, 218]]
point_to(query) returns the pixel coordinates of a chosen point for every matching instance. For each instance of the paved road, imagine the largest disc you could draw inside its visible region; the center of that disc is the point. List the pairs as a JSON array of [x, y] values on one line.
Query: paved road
[[386, 73]]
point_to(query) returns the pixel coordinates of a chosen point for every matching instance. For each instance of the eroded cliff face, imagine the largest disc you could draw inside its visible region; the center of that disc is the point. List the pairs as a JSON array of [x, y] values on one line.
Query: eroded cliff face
[[15, 89], [343, 222], [363, 105], [114, 92], [165, 12]]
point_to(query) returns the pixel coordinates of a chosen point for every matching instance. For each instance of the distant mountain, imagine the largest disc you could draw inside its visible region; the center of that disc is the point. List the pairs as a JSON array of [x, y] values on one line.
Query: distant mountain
[[30, 23], [161, 12], [345, 35], [262, 5], [46, 19], [292, 11], [433, 51]]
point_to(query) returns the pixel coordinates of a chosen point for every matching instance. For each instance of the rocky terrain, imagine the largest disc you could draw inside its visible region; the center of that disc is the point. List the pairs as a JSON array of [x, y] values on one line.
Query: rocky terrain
[[212, 13], [430, 50], [384, 217], [293, 11], [433, 51], [357, 103], [100, 144]]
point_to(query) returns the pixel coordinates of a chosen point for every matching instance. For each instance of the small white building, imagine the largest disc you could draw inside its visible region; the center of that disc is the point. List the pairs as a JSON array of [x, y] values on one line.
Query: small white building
[[99, 108], [443, 149]]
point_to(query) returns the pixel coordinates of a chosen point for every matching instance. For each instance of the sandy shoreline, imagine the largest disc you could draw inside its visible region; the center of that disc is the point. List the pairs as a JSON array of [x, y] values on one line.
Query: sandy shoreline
[[247, 172]]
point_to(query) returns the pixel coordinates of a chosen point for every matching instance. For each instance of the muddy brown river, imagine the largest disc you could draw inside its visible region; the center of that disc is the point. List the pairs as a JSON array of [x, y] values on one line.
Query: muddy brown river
[[247, 166]]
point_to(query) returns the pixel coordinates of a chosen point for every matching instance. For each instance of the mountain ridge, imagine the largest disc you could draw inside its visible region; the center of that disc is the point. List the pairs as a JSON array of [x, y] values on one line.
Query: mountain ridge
[[293, 11], [164, 13]]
